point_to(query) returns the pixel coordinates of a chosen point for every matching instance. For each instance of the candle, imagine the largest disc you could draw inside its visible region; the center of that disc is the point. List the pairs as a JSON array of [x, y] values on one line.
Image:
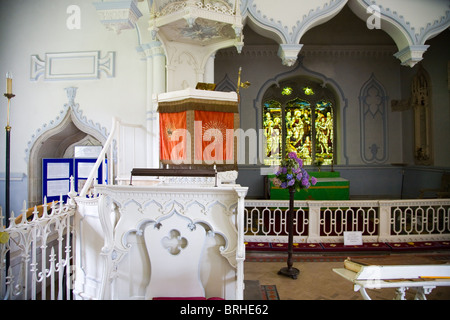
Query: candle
[[9, 83]]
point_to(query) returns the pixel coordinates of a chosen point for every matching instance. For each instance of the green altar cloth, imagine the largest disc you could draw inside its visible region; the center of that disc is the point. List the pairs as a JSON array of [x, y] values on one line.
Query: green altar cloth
[[329, 186]]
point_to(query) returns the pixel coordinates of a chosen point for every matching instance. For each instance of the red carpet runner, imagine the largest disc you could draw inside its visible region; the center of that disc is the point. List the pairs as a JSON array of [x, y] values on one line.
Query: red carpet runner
[[328, 247]]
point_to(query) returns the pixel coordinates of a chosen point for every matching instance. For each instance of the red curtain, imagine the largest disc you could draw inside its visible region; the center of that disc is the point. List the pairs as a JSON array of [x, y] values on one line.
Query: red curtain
[[214, 144], [172, 128]]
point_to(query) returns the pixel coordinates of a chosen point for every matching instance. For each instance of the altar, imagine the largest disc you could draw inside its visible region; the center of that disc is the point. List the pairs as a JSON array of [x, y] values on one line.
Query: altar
[[329, 186]]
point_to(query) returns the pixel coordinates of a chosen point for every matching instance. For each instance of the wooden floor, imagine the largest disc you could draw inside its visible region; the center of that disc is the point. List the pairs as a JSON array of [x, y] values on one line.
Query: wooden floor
[[317, 281]]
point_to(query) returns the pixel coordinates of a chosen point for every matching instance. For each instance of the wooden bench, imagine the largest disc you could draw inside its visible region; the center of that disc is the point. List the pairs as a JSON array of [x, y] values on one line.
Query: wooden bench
[[423, 278]]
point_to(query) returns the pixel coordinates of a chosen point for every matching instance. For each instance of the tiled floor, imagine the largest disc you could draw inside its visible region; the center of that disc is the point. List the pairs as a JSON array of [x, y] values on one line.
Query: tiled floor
[[317, 281]]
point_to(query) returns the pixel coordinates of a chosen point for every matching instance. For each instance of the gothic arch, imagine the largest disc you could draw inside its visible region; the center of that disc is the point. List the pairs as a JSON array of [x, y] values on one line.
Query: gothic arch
[[288, 37], [226, 85], [409, 38], [320, 79], [54, 140]]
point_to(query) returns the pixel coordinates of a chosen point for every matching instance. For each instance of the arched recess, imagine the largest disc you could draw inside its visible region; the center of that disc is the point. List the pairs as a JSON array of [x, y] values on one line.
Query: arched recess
[[58, 140], [374, 122], [317, 80]]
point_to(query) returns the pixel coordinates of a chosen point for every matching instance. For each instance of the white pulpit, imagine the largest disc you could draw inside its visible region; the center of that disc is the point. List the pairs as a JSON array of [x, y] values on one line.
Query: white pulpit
[[176, 238]]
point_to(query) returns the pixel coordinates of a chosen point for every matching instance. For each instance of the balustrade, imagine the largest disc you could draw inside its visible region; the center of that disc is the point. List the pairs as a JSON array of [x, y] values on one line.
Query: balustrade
[[35, 259], [326, 221], [41, 247]]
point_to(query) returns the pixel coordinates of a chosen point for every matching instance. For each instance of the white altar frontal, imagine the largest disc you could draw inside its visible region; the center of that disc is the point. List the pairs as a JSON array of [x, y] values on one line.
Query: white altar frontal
[[176, 237]]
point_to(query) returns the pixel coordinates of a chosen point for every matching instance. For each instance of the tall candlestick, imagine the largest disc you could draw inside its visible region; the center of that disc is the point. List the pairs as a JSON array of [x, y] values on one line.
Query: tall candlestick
[[9, 83], [9, 95]]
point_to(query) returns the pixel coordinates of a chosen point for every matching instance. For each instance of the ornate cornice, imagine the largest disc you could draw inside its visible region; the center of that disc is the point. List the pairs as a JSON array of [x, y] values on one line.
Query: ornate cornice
[[118, 15]]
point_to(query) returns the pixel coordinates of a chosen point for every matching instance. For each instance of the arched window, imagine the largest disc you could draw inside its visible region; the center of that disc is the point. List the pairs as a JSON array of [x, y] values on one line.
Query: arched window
[[298, 116]]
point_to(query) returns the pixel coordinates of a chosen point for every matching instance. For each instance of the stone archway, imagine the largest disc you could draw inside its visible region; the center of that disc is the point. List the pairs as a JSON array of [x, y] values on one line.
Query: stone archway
[[58, 141]]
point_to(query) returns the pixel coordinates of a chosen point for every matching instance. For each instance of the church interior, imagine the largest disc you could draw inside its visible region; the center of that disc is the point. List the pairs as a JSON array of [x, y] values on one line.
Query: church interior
[[212, 97]]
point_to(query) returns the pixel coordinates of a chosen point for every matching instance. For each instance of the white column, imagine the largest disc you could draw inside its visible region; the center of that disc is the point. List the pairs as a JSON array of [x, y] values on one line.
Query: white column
[[156, 83], [159, 86], [159, 68], [209, 69], [151, 115]]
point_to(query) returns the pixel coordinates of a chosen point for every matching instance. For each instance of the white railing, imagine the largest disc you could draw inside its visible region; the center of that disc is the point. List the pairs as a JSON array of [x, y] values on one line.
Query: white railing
[[41, 246], [125, 148], [326, 221], [102, 160], [38, 250]]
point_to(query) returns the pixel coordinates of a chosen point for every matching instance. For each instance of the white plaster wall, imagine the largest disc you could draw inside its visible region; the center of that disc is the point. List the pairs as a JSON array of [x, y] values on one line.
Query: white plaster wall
[[351, 73], [38, 27]]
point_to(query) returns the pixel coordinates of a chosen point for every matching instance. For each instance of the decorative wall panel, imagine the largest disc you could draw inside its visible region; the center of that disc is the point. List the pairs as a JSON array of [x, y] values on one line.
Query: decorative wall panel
[[373, 111], [85, 65]]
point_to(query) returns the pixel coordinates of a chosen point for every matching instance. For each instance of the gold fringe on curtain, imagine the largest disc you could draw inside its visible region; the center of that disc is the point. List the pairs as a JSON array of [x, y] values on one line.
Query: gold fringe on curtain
[[198, 105]]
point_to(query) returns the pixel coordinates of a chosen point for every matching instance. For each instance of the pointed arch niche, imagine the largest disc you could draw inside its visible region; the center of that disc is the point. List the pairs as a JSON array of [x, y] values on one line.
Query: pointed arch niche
[[299, 116], [325, 89], [58, 140], [374, 122], [421, 104]]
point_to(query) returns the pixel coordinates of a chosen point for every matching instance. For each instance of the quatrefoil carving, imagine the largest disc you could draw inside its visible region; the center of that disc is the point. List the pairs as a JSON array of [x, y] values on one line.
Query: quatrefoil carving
[[174, 243]]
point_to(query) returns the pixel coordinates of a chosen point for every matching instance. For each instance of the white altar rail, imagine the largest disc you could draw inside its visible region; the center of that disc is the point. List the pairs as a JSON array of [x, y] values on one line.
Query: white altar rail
[[326, 221]]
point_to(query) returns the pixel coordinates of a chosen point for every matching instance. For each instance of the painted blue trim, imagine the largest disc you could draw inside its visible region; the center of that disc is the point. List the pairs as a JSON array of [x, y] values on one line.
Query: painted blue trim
[[46, 179], [73, 172]]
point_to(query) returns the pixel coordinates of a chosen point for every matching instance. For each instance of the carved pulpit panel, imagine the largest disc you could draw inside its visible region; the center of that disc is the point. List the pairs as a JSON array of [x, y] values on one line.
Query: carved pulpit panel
[[172, 242]]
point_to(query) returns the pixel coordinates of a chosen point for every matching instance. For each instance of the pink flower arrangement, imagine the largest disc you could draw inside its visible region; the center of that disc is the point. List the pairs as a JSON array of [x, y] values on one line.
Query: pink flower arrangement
[[292, 175]]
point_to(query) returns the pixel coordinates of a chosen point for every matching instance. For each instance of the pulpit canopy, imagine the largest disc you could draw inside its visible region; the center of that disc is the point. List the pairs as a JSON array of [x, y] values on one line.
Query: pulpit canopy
[[197, 128]]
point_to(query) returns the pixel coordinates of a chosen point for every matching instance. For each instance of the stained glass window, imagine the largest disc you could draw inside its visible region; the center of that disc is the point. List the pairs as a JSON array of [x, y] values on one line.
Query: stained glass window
[[298, 128], [272, 131], [308, 91], [324, 132], [287, 91], [301, 122]]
